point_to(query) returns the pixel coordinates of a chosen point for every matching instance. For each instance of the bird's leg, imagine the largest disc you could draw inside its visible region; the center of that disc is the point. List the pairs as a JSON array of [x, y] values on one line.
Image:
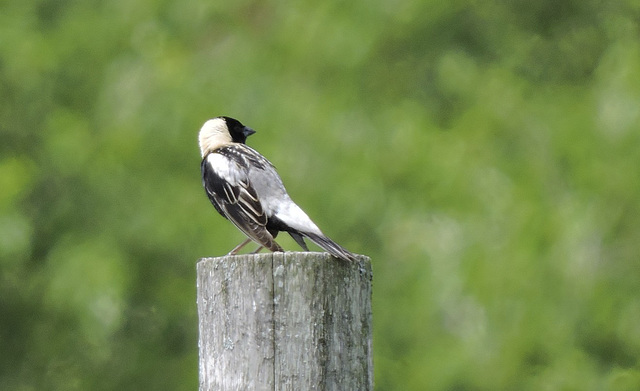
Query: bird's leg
[[258, 250], [239, 247]]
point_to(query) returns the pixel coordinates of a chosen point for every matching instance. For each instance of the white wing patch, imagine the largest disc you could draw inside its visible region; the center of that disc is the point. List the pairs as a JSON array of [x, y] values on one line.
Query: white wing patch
[[227, 169]]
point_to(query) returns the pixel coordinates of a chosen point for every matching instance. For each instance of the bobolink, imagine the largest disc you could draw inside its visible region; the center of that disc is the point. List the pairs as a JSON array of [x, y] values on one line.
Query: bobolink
[[245, 188]]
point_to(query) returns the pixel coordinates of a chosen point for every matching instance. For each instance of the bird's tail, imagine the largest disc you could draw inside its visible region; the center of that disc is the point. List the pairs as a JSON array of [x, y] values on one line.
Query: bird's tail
[[331, 247]]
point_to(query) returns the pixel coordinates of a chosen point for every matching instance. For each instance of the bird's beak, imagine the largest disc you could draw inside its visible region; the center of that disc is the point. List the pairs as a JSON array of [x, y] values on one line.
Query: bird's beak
[[248, 131]]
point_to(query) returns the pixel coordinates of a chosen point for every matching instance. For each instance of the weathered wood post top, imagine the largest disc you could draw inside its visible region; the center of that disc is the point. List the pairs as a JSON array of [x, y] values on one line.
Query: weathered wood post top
[[285, 321]]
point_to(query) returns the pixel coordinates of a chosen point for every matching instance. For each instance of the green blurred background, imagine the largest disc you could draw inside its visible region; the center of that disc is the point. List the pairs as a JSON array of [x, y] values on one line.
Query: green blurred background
[[484, 154]]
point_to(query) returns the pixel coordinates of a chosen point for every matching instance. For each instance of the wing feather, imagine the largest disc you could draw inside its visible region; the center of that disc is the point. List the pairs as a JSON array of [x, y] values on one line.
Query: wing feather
[[226, 179]]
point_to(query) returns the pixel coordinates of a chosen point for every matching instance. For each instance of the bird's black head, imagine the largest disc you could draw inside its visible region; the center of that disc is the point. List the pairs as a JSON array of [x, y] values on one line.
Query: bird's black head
[[237, 130]]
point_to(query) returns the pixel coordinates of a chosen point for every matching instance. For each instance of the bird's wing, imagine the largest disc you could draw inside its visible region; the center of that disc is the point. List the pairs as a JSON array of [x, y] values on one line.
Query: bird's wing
[[207, 179], [226, 180]]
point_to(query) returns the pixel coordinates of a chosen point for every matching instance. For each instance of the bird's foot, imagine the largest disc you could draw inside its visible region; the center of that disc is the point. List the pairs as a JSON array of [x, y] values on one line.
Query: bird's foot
[[239, 247]]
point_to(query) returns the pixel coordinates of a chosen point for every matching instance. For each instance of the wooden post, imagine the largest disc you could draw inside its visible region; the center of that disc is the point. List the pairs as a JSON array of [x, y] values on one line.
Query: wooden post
[[285, 321]]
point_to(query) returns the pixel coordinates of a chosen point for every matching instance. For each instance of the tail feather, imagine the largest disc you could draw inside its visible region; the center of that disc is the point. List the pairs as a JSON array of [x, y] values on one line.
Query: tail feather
[[331, 247], [300, 240]]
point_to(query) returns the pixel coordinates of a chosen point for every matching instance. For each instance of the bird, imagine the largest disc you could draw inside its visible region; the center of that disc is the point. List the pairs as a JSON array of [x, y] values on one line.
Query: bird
[[245, 188]]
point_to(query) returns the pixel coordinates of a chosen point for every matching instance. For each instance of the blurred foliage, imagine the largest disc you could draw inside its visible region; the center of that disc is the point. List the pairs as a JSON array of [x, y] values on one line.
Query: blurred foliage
[[485, 154]]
